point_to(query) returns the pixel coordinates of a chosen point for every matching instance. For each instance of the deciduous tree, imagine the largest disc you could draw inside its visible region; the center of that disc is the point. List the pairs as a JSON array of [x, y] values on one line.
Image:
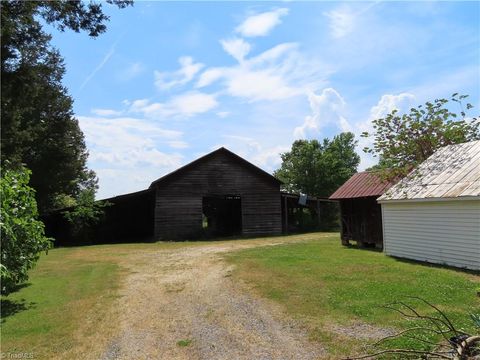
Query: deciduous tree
[[319, 168], [402, 141], [38, 125]]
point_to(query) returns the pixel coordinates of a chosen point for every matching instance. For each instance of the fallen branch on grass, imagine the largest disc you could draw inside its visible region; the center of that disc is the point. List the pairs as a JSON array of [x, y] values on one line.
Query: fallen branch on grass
[[456, 344]]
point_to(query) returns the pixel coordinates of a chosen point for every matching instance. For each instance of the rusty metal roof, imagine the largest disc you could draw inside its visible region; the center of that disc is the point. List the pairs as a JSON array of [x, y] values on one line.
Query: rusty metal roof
[[362, 184], [451, 172]]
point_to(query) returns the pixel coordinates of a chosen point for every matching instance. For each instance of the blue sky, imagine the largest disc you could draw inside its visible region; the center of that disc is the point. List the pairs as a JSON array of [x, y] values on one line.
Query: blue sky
[[171, 81]]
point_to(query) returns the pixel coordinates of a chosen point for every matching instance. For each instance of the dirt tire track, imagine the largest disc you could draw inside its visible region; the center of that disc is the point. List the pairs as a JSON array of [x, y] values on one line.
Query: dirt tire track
[[188, 294]]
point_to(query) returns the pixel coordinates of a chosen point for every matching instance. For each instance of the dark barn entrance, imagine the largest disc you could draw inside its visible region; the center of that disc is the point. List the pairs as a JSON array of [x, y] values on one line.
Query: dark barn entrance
[[222, 215]]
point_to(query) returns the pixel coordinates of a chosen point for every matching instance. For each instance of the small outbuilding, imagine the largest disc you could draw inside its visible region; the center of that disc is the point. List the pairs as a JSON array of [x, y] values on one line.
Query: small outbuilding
[[433, 214], [360, 214]]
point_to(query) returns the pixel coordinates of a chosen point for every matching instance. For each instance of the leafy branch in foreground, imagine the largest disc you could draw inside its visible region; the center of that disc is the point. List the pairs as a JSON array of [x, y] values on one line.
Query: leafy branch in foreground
[[23, 236], [455, 344]]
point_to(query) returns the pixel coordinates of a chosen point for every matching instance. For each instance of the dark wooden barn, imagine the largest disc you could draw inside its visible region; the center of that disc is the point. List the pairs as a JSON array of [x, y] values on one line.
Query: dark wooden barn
[[128, 218], [361, 215], [219, 194]]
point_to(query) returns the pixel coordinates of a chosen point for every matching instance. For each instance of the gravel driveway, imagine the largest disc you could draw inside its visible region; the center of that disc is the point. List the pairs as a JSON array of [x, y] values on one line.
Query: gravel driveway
[[188, 294]]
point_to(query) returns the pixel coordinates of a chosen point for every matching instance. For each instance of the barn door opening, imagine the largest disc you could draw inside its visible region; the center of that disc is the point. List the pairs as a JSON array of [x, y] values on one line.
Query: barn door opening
[[222, 215]]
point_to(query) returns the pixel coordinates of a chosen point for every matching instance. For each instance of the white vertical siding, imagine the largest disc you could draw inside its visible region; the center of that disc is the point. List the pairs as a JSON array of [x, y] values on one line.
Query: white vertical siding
[[442, 232]]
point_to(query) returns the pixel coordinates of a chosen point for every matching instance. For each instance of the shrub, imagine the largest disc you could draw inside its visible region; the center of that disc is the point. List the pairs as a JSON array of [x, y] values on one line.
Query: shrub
[[23, 236]]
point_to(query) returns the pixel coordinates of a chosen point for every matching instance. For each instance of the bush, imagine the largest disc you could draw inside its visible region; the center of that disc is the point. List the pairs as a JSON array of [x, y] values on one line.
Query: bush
[[23, 236]]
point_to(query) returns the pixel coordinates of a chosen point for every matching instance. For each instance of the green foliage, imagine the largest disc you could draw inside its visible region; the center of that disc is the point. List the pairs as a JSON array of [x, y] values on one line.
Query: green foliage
[[184, 342], [38, 125], [318, 169], [22, 233], [403, 141], [85, 212]]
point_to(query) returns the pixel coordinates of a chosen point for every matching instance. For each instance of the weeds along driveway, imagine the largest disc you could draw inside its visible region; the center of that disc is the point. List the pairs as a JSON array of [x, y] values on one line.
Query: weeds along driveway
[[182, 304]]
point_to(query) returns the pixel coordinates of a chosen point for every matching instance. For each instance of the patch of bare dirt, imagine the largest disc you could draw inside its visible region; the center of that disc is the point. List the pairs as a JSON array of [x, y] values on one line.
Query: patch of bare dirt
[[362, 331], [188, 294]]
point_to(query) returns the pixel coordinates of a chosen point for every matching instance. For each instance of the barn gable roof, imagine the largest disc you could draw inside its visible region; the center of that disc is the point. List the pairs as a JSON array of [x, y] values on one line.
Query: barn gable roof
[[452, 172], [204, 158], [362, 184]]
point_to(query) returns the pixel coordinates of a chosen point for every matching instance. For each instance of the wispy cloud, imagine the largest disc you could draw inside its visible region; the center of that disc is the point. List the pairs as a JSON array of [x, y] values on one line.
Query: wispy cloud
[[278, 73], [261, 24], [236, 47], [342, 20], [131, 71], [101, 64], [168, 80], [118, 145], [186, 105], [106, 112]]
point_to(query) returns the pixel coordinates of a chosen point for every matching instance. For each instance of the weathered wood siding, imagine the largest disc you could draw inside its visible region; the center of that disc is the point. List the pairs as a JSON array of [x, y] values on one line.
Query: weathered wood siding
[[442, 232], [178, 206], [361, 221]]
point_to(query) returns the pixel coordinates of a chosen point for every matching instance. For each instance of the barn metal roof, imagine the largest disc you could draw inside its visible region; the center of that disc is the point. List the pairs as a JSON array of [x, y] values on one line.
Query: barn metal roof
[[451, 172], [362, 184]]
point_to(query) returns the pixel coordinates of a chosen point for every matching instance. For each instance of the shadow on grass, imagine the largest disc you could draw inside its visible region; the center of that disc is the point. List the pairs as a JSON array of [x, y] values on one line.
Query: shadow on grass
[[11, 307], [434, 265], [414, 262], [364, 248]]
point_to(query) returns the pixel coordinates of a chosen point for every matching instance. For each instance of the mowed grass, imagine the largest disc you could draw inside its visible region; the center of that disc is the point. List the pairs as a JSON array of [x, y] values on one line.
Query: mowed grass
[[328, 286], [65, 310]]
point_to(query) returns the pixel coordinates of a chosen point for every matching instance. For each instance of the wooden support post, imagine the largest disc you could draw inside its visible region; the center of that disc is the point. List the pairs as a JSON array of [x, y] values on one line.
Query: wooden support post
[[319, 219], [286, 215]]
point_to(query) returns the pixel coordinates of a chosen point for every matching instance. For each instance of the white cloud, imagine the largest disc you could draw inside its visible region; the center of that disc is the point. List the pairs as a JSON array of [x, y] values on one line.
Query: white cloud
[[236, 47], [265, 156], [187, 104], [341, 21], [192, 103], [223, 114], [125, 152], [131, 71], [126, 141], [329, 108], [209, 76], [388, 102], [106, 112], [278, 73], [326, 109], [261, 24], [178, 144], [188, 69]]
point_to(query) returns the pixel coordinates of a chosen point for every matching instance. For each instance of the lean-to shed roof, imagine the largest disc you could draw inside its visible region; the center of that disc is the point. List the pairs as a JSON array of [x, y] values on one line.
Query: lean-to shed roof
[[451, 172], [362, 184]]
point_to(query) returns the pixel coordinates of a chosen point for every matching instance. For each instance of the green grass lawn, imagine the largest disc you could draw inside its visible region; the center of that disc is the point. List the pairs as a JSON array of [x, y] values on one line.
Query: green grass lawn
[[66, 308], [67, 299], [64, 291], [327, 285]]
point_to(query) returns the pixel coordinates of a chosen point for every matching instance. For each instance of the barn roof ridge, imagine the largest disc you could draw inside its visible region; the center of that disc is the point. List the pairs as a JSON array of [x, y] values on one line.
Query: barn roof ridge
[[209, 155]]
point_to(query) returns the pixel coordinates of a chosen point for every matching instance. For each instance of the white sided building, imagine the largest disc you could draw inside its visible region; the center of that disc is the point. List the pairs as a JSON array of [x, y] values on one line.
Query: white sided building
[[433, 214]]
